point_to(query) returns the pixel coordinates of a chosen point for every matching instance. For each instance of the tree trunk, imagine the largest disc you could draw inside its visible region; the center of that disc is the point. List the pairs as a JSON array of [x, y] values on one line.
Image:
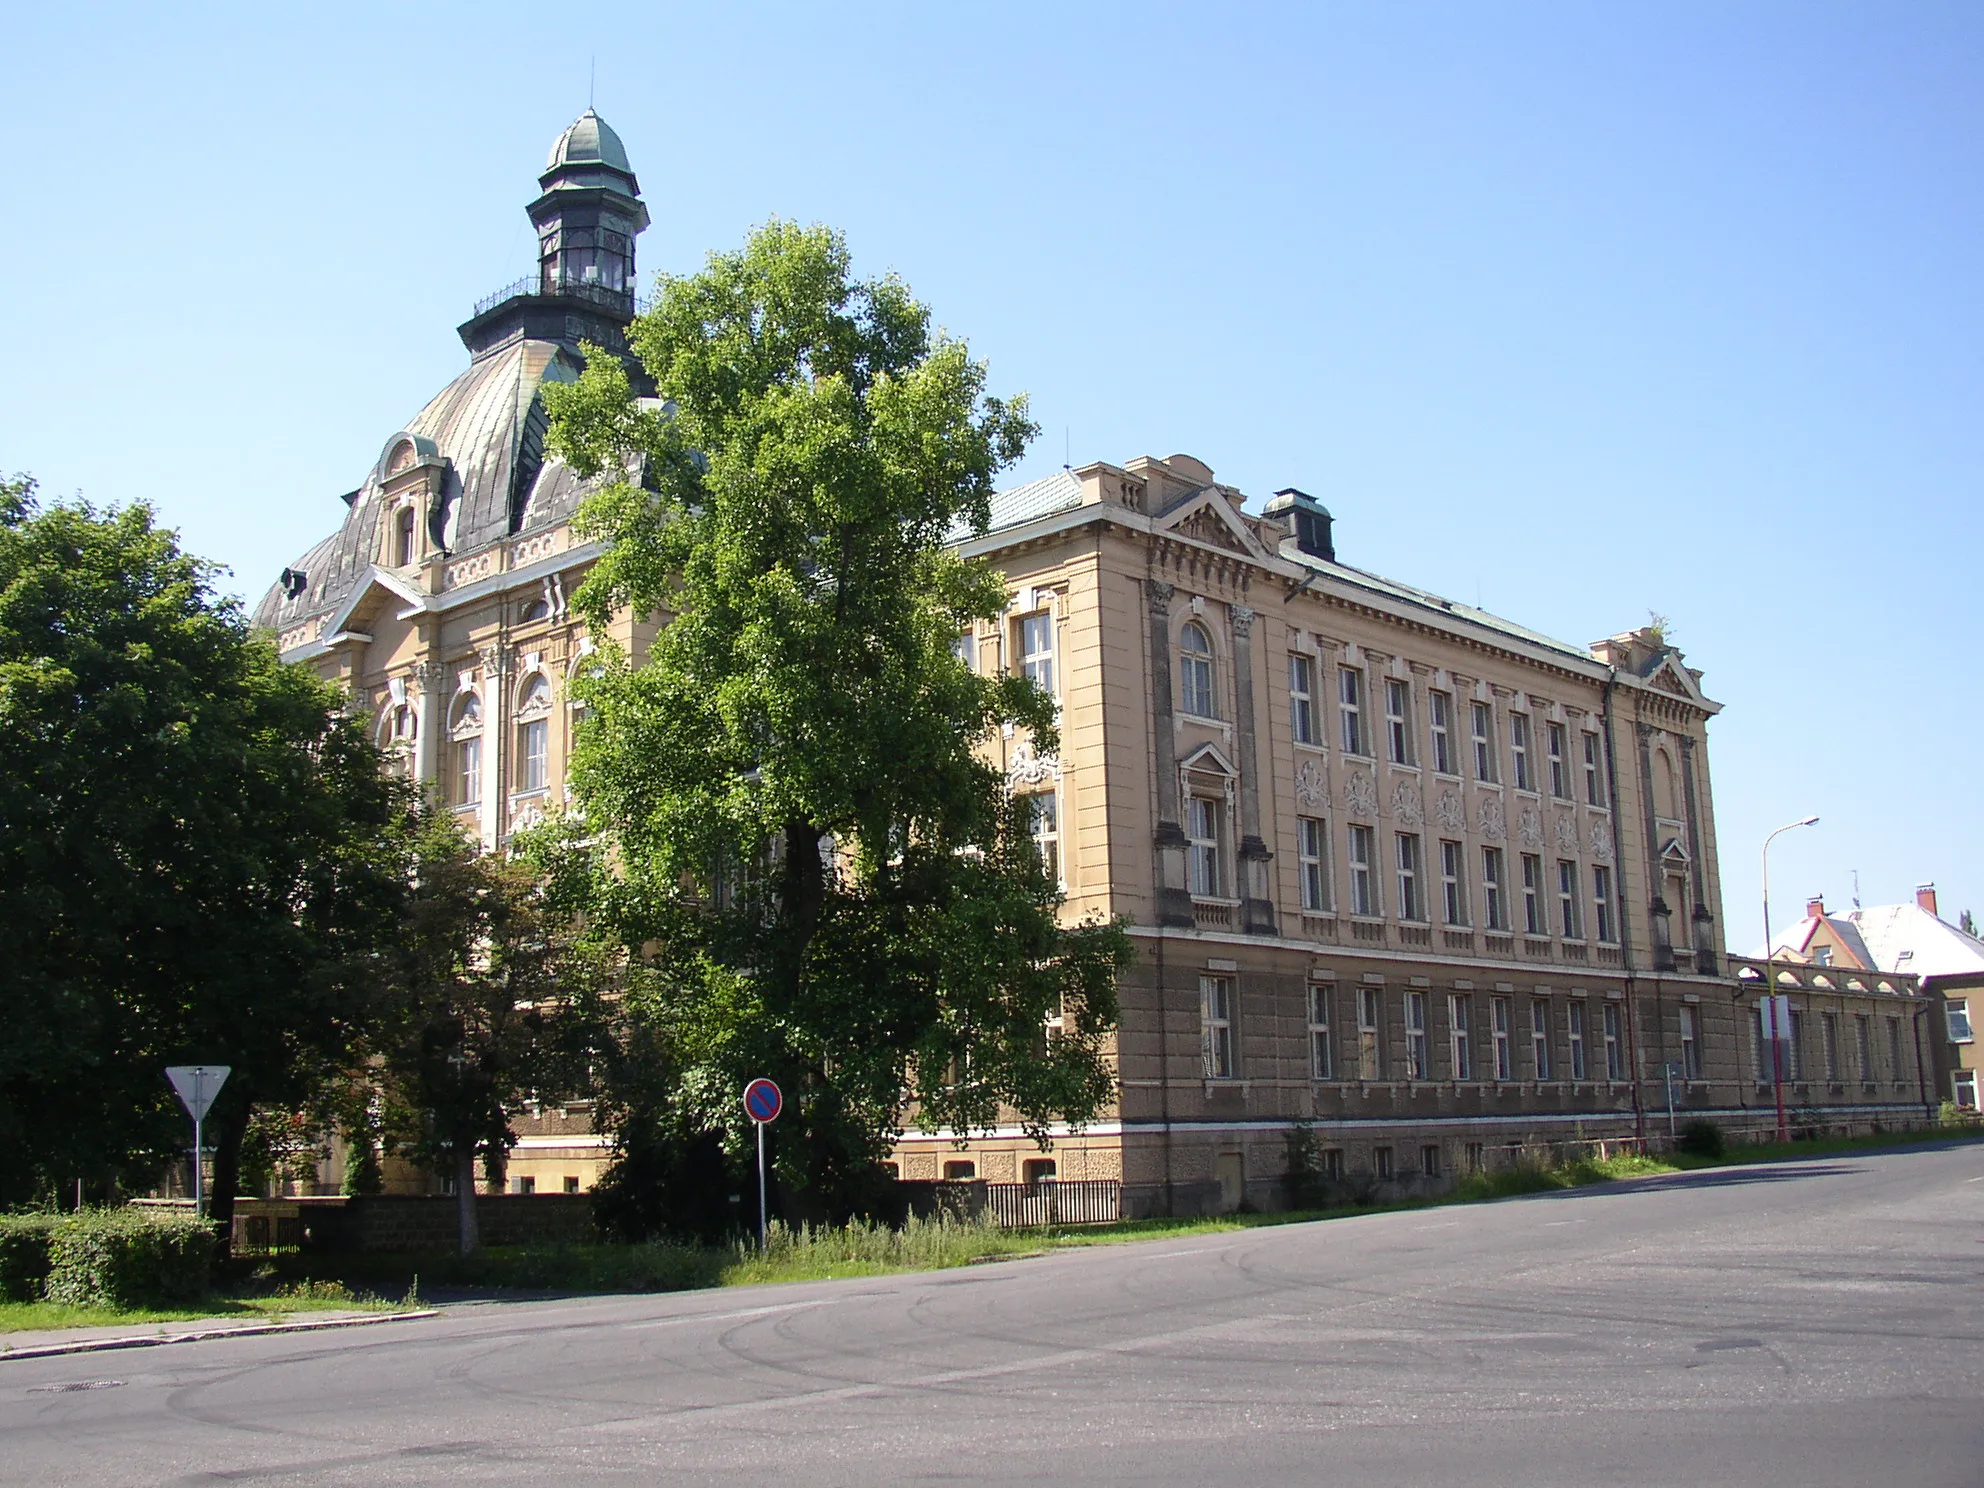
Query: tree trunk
[[471, 1231], [228, 1132]]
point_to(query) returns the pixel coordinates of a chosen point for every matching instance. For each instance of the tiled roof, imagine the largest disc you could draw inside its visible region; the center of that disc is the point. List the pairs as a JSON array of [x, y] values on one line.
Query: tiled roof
[[1794, 940]]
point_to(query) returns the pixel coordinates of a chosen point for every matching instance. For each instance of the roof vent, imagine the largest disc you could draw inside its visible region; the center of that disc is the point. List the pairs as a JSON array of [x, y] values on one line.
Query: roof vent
[[294, 582], [1304, 518]]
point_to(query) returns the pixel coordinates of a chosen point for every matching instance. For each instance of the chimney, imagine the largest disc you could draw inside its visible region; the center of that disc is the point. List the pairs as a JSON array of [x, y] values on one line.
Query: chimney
[[1815, 908], [1304, 518], [1925, 897]]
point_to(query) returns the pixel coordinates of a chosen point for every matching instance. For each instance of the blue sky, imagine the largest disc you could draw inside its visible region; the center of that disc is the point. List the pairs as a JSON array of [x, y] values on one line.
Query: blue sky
[[1579, 311]]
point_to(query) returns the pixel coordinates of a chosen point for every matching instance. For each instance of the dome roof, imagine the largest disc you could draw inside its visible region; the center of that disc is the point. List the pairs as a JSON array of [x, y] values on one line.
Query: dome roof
[[589, 140]]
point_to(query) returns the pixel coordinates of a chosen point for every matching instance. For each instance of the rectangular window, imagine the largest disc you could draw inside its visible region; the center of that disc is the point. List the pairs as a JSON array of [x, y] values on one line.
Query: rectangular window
[[1482, 722], [1493, 902], [1532, 895], [1037, 650], [1045, 809], [1418, 1047], [1398, 720], [1460, 1019], [1381, 1162], [1503, 1014], [1963, 1089], [1863, 1047], [1766, 1066], [1216, 1026], [1574, 1028], [1204, 865], [1601, 904], [1429, 1159], [1795, 1053], [1594, 781], [1453, 882], [1539, 1037], [1957, 1012], [1409, 907], [1829, 1045], [1615, 1048], [1691, 1043], [1302, 698], [1894, 1048], [1333, 1164], [1560, 765], [1440, 710], [468, 771], [1312, 858], [1322, 1060], [1363, 892], [1822, 955], [1568, 924], [1350, 708], [533, 758], [965, 649], [1370, 1046], [1519, 751]]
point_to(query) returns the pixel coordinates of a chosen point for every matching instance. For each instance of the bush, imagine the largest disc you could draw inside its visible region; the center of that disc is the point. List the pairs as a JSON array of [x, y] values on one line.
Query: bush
[[129, 1258], [1700, 1139], [24, 1255]]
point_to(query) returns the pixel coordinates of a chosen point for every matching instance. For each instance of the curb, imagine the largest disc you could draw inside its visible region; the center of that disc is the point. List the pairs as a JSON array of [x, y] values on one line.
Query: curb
[[253, 1330]]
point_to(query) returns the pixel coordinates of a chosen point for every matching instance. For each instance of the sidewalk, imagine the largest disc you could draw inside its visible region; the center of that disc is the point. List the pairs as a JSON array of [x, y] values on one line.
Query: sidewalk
[[41, 1343]]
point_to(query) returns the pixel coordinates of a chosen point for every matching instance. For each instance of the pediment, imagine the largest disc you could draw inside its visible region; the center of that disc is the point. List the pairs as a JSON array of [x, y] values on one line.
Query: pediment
[[1207, 760], [1672, 678], [377, 591], [1208, 517]]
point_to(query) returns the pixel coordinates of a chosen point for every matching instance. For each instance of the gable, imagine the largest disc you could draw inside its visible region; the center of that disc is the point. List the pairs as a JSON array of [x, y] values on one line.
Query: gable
[[1208, 517]]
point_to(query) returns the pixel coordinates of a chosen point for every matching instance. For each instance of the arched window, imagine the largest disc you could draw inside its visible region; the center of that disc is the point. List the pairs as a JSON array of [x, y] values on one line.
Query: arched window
[[1195, 671], [534, 735], [465, 773], [403, 550]]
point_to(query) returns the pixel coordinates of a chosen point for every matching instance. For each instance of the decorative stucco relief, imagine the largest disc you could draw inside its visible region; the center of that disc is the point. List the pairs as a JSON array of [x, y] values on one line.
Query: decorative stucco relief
[[1448, 814], [1494, 826], [1529, 828], [1360, 794], [1567, 835], [1310, 789], [1601, 842], [1028, 768], [1406, 810]]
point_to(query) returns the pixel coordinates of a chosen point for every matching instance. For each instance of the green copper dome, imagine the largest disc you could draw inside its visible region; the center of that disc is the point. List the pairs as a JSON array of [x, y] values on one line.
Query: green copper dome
[[589, 141]]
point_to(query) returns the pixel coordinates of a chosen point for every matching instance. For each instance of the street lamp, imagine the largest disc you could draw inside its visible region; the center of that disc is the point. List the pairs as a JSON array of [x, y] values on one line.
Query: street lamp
[[1770, 984]]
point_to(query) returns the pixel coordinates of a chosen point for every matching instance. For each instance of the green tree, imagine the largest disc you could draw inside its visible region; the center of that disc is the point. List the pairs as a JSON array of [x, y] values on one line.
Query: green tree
[[495, 1002], [201, 862], [791, 820]]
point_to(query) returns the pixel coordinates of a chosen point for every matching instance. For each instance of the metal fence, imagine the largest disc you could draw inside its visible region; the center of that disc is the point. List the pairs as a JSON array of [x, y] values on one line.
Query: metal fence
[[1051, 1202]]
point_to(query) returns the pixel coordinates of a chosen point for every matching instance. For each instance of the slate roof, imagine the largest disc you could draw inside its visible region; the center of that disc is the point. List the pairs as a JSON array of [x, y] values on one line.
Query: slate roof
[[1795, 939], [489, 424]]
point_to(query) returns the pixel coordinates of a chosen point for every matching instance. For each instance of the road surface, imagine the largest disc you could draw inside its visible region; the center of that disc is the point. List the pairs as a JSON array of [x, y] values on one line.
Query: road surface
[[1804, 1323]]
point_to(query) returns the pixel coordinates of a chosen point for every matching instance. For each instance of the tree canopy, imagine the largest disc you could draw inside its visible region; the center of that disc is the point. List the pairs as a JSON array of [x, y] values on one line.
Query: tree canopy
[[788, 810], [201, 861]]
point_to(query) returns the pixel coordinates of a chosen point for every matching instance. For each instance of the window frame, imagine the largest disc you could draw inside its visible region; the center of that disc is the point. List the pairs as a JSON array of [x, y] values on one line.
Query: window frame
[[1521, 736], [1371, 1033], [1364, 899], [1398, 721], [466, 770], [1481, 733], [1312, 860], [1048, 839], [1302, 698], [1691, 1041], [1350, 710], [1198, 677], [1829, 1045], [1037, 665], [1501, 1032], [1956, 1014], [1557, 741], [1322, 1053], [1570, 909], [1594, 768], [1205, 857], [1439, 728], [1601, 904], [1540, 1031], [1494, 883], [1409, 865], [1418, 1041], [1574, 1037], [1218, 1046], [1453, 881], [1460, 1034], [1534, 921]]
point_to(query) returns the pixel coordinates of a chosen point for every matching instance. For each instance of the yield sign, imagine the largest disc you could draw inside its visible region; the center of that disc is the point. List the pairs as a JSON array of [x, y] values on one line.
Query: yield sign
[[197, 1085]]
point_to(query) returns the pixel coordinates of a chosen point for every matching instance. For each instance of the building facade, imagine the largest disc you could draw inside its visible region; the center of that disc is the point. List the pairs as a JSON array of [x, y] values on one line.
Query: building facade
[[1427, 881]]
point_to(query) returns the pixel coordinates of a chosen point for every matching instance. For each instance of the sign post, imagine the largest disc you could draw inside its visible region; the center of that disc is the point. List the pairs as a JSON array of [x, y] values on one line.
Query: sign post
[[762, 1103], [1668, 1072], [197, 1085], [1777, 1028]]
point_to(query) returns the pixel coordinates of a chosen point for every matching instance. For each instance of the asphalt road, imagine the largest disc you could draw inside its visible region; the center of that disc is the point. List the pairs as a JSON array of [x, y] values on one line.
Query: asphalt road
[[1807, 1323]]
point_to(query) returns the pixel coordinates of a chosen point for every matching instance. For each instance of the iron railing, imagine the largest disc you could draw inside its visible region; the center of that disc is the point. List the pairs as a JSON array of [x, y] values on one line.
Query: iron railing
[[1079, 1201], [620, 301]]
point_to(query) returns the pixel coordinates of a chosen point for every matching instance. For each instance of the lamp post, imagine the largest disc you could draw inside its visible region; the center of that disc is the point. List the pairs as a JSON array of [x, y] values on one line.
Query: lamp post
[[1770, 984]]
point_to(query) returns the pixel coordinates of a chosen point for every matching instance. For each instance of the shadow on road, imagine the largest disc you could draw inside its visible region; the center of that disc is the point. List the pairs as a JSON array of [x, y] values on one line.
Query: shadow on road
[[1708, 1178]]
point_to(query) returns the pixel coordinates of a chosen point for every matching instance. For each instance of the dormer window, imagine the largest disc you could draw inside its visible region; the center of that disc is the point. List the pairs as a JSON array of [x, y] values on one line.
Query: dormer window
[[403, 533]]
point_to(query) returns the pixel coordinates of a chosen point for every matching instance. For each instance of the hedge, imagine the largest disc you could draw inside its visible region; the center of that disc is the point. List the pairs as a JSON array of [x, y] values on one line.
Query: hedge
[[24, 1254], [129, 1258]]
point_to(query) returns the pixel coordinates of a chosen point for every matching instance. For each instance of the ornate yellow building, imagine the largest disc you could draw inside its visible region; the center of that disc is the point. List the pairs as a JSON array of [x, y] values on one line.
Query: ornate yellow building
[[1395, 866]]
